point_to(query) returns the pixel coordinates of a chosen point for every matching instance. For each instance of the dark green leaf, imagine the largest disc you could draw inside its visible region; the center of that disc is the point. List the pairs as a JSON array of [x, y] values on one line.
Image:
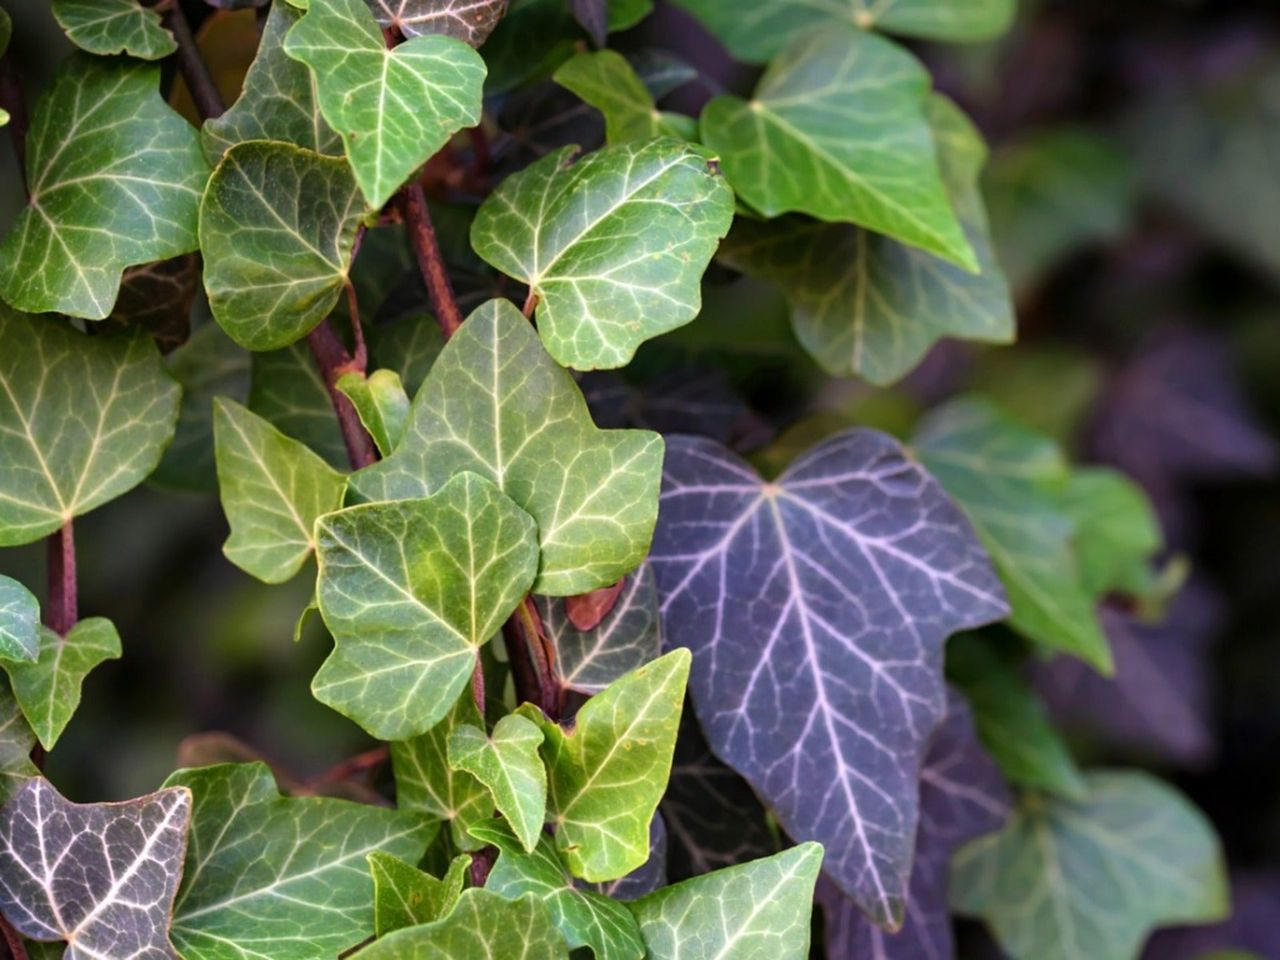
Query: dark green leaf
[[114, 26], [404, 896], [607, 82], [16, 741]]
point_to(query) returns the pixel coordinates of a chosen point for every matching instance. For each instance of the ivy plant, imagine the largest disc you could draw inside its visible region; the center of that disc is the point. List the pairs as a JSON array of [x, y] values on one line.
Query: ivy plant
[[638, 688]]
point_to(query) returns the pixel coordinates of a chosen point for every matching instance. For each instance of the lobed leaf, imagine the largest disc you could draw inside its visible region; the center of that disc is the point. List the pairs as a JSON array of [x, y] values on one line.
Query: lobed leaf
[[470, 21], [404, 896], [288, 389], [609, 83], [16, 742], [507, 763], [19, 621], [105, 27]]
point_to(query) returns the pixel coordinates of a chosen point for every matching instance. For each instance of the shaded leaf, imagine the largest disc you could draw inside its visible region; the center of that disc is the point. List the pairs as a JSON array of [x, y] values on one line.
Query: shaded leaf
[[1116, 532], [610, 84], [816, 607], [595, 511], [593, 17], [288, 389], [507, 763], [114, 26], [19, 621], [404, 896], [16, 741], [381, 403], [158, 298], [1255, 898], [470, 21]]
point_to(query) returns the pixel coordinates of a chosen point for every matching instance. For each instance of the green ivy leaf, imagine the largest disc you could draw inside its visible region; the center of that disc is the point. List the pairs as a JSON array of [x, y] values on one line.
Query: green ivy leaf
[[393, 108], [838, 129], [1070, 881], [115, 179], [16, 742], [381, 403], [48, 689], [410, 590], [769, 901], [277, 228], [757, 32], [607, 82], [404, 896], [1116, 532], [506, 762], [273, 489], [19, 621], [6, 32], [614, 244], [608, 773], [496, 404], [1009, 480], [583, 917], [867, 305], [82, 420], [279, 877], [483, 926], [288, 389], [277, 102], [470, 21], [114, 26]]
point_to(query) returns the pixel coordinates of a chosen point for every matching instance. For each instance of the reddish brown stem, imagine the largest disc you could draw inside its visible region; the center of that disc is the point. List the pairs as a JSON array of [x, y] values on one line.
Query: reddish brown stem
[[481, 863], [528, 650], [60, 609], [204, 92], [477, 684], [333, 360], [350, 767], [530, 305], [426, 248], [12, 100], [17, 949]]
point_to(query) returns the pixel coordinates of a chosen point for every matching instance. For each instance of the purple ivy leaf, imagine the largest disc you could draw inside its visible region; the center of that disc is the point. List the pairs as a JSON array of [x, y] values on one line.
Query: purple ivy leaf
[[1158, 701], [962, 796], [1252, 925], [816, 607], [593, 15]]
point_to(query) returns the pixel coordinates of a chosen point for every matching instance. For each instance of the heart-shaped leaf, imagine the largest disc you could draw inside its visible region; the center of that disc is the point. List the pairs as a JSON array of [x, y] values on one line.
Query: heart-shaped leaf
[[16, 741], [279, 877], [507, 762], [614, 244], [82, 420], [19, 621], [816, 607], [101, 876], [606, 81], [410, 589], [114, 26], [115, 179], [470, 21], [496, 404], [838, 130], [404, 896], [393, 108]]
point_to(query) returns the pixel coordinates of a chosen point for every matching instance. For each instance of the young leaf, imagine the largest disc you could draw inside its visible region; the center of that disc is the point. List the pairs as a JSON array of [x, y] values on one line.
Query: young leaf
[[19, 621], [288, 389], [757, 911], [629, 636], [273, 489], [393, 108], [838, 130], [483, 926], [1010, 482], [279, 877], [470, 21], [16, 741], [1116, 532], [48, 689], [100, 876], [115, 179], [797, 597], [1066, 881], [610, 84], [496, 404], [114, 26], [584, 918], [404, 896], [82, 420], [382, 404], [608, 773], [867, 305], [278, 101], [277, 227], [613, 244], [508, 764], [410, 590]]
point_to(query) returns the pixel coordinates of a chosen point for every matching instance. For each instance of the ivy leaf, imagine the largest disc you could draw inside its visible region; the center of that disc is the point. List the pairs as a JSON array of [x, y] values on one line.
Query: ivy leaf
[[593, 17], [16, 741], [614, 243], [867, 305], [158, 297], [629, 636], [507, 763], [115, 179], [277, 102], [483, 926], [1010, 481], [404, 896], [769, 900], [393, 108], [799, 596], [288, 389], [1134, 845], [646, 878], [277, 228], [584, 918], [496, 404], [427, 784], [381, 403], [279, 877], [610, 84], [608, 773], [1116, 532], [100, 876], [757, 33], [838, 129], [82, 420], [48, 689], [105, 27], [19, 621], [470, 21], [410, 590], [273, 489]]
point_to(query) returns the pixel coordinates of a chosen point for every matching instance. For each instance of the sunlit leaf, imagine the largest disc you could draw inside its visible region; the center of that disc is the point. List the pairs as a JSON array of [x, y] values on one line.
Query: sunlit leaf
[[508, 764], [114, 26], [649, 876], [610, 84], [19, 621], [381, 403], [470, 21], [404, 896]]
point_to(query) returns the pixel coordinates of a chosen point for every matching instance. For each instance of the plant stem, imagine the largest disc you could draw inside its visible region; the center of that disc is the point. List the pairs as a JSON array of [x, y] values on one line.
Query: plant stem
[[348, 768], [527, 650], [481, 863], [426, 248], [333, 360], [530, 305], [204, 92], [17, 949], [11, 99], [61, 606], [477, 684]]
